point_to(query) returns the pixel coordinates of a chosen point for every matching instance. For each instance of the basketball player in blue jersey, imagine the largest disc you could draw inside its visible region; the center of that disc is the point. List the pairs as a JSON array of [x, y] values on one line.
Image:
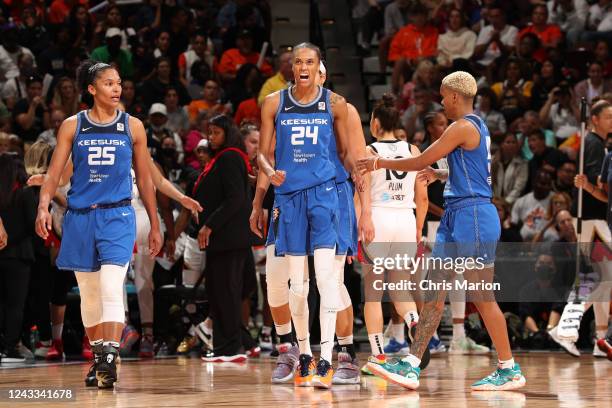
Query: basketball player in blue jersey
[[297, 127], [99, 227], [470, 228], [277, 274]]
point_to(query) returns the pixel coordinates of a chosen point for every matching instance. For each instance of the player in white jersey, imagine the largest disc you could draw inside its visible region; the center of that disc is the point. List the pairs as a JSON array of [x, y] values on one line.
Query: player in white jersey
[[395, 197]]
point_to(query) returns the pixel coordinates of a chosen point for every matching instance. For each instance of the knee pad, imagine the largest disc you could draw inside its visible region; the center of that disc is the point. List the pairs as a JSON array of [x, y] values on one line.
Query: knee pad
[[299, 284], [111, 292], [327, 279], [91, 305], [345, 298], [277, 278]]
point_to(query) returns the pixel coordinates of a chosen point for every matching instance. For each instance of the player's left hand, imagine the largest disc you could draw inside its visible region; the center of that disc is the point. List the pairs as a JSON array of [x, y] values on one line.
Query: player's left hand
[[366, 228], [427, 175], [191, 205], [155, 242], [204, 237], [350, 259], [366, 164]]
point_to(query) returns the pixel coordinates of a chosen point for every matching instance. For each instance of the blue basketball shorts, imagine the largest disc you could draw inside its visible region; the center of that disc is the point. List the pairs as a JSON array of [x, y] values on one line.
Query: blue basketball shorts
[[305, 220], [469, 228], [347, 220], [96, 237]]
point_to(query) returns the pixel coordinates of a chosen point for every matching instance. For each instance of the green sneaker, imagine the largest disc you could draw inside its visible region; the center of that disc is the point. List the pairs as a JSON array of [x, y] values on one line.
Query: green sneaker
[[398, 372], [365, 370], [501, 380]]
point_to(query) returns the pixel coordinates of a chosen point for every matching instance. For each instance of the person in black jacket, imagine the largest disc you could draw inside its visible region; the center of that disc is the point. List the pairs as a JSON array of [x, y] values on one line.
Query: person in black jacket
[[18, 213], [223, 191]]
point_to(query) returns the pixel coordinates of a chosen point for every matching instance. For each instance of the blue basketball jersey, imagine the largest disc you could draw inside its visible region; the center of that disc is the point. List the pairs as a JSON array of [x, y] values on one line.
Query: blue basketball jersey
[[469, 171], [102, 159], [303, 141], [341, 174]]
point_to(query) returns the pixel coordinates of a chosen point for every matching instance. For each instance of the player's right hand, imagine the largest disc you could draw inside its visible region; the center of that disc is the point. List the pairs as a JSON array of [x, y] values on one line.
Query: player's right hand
[[278, 177], [36, 180], [43, 223], [581, 181], [256, 221], [427, 175]]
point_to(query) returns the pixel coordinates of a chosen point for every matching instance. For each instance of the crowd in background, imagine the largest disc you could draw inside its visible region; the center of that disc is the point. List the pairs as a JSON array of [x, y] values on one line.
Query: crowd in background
[[183, 63]]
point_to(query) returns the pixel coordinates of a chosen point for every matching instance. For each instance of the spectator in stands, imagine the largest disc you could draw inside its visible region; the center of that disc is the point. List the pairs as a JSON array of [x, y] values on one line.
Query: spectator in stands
[[18, 213], [51, 59], [509, 170], [15, 88], [544, 157], [246, 19], [594, 153], [49, 136], [509, 233], [225, 235], [602, 55], [170, 159], [200, 73], [178, 119], [4, 142], [599, 23], [250, 137], [154, 90], [30, 114], [561, 112], [570, 16], [81, 27], [415, 41], [180, 19], [113, 53], [495, 39], [194, 137], [457, 42], [199, 52], [549, 34], [66, 97], [203, 153], [558, 202], [226, 18], [412, 118], [210, 101], [162, 43], [59, 10], [234, 58], [11, 44], [529, 211], [281, 79], [529, 123], [423, 76], [396, 17], [248, 81], [32, 32], [157, 130], [487, 109], [130, 102], [114, 19], [514, 93], [595, 85], [546, 78], [565, 178]]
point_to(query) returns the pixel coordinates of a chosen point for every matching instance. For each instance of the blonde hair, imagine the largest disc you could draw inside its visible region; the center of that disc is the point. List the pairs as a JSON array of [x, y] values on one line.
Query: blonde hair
[[462, 83], [421, 67], [36, 159]]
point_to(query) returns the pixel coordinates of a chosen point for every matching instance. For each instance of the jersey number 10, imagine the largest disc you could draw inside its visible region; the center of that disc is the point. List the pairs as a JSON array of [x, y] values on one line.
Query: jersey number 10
[[299, 132], [101, 156]]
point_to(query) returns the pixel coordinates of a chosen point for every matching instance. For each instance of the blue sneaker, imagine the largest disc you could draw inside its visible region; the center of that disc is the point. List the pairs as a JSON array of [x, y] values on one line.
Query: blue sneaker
[[398, 372], [394, 347], [435, 346], [501, 380]]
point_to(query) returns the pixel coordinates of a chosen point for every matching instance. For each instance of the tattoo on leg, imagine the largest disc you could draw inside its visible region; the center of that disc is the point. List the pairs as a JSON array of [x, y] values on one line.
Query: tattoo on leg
[[428, 323]]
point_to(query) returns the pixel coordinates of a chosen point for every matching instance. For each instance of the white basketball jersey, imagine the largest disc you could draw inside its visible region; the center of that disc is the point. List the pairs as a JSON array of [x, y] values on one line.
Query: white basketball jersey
[[391, 188], [136, 200]]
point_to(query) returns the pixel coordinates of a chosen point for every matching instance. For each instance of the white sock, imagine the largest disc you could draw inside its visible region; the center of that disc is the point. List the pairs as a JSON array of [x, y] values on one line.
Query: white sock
[[56, 331], [343, 341], [506, 364], [304, 345], [94, 343], [413, 360], [376, 343], [601, 334], [411, 317], [282, 329], [327, 317], [458, 331], [397, 330], [113, 344]]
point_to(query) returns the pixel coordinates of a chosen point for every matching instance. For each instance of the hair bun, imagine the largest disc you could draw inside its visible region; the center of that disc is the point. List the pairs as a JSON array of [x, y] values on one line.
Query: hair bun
[[388, 100]]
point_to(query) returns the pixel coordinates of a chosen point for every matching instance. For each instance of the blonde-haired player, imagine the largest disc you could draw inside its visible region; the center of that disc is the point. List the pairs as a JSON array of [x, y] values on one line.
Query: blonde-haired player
[[470, 228]]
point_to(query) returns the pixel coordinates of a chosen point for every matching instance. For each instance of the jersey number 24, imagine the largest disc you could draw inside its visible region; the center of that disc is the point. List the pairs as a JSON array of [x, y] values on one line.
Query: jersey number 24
[[299, 132]]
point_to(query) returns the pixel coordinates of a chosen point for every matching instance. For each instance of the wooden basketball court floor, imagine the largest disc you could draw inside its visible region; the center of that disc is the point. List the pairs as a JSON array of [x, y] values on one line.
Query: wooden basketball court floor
[[553, 379]]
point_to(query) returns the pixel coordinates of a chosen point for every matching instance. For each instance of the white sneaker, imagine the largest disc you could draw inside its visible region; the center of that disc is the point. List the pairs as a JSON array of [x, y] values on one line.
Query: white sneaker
[[205, 334], [567, 345], [42, 349], [466, 345], [597, 352]]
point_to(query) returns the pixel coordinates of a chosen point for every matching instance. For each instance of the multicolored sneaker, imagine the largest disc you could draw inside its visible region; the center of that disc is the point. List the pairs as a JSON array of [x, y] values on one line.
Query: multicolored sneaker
[[324, 375], [129, 336], [286, 363], [395, 347], [435, 346], [502, 379], [348, 370], [365, 370], [605, 345], [146, 349], [305, 371], [598, 353], [466, 345], [399, 372]]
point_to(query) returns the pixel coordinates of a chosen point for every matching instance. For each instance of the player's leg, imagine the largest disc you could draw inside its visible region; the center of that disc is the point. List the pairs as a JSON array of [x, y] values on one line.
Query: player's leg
[[143, 280], [193, 268], [460, 343]]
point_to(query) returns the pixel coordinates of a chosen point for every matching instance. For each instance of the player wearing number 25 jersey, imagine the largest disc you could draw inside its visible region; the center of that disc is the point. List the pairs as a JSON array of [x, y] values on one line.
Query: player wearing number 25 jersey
[[306, 204], [99, 200]]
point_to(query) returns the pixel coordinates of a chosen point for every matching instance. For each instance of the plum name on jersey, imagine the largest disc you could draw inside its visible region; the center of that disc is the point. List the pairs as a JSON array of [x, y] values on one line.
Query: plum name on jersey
[[308, 121], [101, 142]]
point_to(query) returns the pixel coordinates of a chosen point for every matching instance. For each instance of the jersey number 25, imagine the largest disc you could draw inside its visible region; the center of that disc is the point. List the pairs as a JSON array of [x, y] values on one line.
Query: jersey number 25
[[299, 132], [101, 156]]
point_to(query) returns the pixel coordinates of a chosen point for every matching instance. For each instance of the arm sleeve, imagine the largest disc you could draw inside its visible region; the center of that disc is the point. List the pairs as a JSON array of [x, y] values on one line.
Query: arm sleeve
[[234, 193]]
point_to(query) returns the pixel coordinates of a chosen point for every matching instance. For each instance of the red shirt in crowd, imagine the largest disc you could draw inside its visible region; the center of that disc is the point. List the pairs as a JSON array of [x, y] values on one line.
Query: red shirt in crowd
[[412, 43], [248, 110], [549, 37], [232, 60]]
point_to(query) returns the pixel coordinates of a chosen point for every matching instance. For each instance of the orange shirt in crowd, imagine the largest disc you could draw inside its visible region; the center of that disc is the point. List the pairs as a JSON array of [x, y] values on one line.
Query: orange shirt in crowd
[[232, 60], [59, 10], [248, 110], [412, 43], [549, 37]]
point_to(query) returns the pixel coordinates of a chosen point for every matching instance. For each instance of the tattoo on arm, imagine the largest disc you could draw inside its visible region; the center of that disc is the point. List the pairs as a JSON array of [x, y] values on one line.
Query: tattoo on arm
[[428, 323], [335, 98]]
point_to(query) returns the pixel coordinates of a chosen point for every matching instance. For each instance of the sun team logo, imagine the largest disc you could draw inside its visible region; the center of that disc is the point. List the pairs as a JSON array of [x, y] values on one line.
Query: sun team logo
[[321, 105], [120, 127]]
